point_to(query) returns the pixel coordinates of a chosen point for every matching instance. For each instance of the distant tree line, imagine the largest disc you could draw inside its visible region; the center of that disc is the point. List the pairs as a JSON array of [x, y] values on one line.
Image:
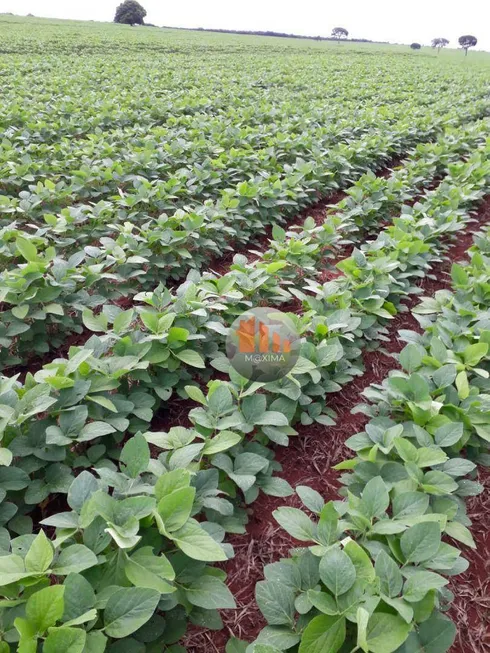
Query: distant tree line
[[467, 41], [130, 12]]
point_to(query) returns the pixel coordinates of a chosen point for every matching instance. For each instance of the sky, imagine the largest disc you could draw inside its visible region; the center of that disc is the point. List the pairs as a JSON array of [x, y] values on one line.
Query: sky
[[387, 20]]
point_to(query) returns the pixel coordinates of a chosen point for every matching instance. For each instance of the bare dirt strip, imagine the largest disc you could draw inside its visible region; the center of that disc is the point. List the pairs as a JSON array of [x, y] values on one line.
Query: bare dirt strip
[[309, 460]]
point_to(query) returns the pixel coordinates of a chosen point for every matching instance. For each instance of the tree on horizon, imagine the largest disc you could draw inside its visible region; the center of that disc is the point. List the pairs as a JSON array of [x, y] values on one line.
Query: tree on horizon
[[439, 43], [467, 41], [340, 33], [130, 12]]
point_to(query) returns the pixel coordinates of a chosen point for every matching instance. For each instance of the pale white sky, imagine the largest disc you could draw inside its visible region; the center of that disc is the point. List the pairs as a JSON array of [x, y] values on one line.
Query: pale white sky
[[387, 20]]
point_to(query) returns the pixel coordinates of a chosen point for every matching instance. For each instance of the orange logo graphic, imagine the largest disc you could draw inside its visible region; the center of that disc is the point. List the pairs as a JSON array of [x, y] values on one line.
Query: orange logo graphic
[[254, 336]]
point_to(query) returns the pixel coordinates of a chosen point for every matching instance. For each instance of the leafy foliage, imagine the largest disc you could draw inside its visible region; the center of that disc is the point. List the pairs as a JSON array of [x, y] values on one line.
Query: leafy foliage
[[111, 211]]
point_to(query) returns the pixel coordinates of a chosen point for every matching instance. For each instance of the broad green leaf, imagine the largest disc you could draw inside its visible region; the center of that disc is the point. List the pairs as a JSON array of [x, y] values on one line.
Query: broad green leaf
[[323, 602], [128, 609], [45, 607], [421, 542], [337, 571], [389, 574], [79, 597], [40, 554], [310, 498], [296, 523], [375, 498], [210, 593], [462, 385], [135, 455], [26, 249], [74, 559], [190, 357], [195, 542], [276, 602], [175, 508], [386, 632], [65, 640], [448, 434], [361, 561], [323, 633], [421, 582], [411, 358]]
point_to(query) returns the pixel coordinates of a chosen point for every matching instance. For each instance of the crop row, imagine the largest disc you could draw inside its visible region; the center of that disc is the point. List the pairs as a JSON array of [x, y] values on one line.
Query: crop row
[[205, 199], [47, 297], [132, 513], [374, 575]]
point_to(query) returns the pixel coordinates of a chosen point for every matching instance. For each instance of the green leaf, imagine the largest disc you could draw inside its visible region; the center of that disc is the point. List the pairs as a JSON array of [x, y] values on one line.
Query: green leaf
[[361, 561], [128, 609], [276, 602], [12, 569], [337, 571], [430, 456], [272, 418], [210, 593], [20, 311], [254, 407], [94, 322], [122, 321], [323, 633], [221, 442], [421, 542], [28, 636], [95, 430], [421, 582], [196, 394], [6, 457], [65, 640], [135, 455], [40, 554], [375, 498], [409, 504], [296, 523], [235, 645], [462, 385], [190, 357], [81, 490], [74, 559], [54, 309], [448, 434], [362, 618], [45, 607], [96, 642], [279, 636], [386, 632], [104, 402], [175, 508], [144, 569], [221, 400], [389, 574], [310, 498], [411, 358], [195, 542], [459, 532], [79, 597], [459, 275], [26, 249], [473, 354], [323, 602], [328, 524], [435, 635]]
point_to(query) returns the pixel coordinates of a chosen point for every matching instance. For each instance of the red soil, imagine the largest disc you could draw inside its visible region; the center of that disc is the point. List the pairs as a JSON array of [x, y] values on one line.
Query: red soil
[[319, 448]]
